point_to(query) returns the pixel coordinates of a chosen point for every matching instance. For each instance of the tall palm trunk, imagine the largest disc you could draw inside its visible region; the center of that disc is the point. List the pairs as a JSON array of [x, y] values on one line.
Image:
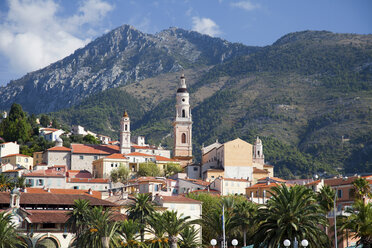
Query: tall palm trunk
[[173, 240], [245, 236]]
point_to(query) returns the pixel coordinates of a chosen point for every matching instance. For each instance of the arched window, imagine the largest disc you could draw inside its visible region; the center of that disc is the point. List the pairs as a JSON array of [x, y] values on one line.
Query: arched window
[[258, 152], [183, 138], [183, 113], [126, 127]]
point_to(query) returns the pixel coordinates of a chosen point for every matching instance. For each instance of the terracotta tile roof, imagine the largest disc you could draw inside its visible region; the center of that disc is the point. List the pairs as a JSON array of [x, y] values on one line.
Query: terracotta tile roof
[[113, 142], [179, 199], [45, 173], [60, 149], [211, 191], [95, 194], [17, 154], [48, 216], [139, 154], [49, 129], [196, 181], [143, 147], [339, 181], [8, 143], [268, 165], [94, 149], [161, 158], [79, 174], [116, 156], [313, 183], [256, 170], [214, 170], [9, 171], [87, 180], [273, 178], [51, 199]]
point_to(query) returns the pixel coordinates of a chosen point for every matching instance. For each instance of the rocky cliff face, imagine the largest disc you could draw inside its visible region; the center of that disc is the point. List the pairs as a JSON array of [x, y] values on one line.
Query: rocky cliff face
[[117, 58]]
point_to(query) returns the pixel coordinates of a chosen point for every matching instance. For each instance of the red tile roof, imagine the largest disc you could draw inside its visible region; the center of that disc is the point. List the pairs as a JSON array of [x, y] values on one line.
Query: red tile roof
[[139, 154], [51, 199], [268, 165], [256, 170], [48, 216], [210, 191], [60, 149], [179, 199], [49, 129], [273, 178], [94, 149], [116, 156], [339, 181], [161, 158], [45, 173], [17, 154], [95, 194], [196, 181], [265, 185]]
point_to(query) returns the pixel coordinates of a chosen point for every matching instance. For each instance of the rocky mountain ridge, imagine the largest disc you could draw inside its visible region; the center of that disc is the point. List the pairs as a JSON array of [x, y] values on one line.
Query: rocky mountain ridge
[[117, 58]]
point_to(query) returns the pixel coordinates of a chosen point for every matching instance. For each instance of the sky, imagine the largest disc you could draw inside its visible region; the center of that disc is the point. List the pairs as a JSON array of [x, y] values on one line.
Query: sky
[[36, 33]]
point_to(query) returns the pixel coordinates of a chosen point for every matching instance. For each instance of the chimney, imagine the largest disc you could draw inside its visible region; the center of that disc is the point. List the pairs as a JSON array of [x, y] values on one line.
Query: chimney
[[90, 191], [110, 192], [48, 190]]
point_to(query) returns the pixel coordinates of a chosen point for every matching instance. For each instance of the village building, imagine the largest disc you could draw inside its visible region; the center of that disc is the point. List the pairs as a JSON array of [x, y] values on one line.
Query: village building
[[230, 186], [8, 148], [103, 167], [18, 160]]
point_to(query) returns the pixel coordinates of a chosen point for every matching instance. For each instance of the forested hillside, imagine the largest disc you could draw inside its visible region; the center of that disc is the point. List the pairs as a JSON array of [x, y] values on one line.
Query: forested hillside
[[301, 95]]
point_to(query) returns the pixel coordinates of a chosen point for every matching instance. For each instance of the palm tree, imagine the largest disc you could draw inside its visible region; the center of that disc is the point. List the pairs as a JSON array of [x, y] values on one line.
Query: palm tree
[[155, 220], [5, 182], [21, 182], [244, 218], [290, 213], [326, 198], [139, 210], [8, 234], [174, 225], [101, 230], [129, 229], [360, 223], [78, 217], [189, 237], [361, 188]]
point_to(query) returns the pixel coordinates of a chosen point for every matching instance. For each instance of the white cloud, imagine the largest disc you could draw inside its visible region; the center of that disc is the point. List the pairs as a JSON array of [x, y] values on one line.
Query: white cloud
[[246, 5], [205, 26], [32, 35]]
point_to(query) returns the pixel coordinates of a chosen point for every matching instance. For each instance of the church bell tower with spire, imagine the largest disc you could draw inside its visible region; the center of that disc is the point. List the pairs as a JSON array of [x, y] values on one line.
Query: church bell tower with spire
[[125, 134], [183, 125]]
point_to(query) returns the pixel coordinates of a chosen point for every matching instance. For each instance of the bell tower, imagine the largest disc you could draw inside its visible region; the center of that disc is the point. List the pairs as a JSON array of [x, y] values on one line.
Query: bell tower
[[183, 125], [125, 134], [258, 155]]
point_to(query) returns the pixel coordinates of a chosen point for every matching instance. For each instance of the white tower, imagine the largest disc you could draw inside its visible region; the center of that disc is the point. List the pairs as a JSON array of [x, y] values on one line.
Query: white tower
[[258, 155], [125, 134], [183, 125]]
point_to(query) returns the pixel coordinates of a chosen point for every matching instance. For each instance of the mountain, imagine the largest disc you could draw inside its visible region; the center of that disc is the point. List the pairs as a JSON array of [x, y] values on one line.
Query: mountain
[[117, 58], [309, 95]]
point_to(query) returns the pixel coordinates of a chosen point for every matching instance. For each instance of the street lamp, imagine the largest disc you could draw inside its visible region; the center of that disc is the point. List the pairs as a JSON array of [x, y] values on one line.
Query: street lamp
[[234, 242], [304, 243], [287, 243], [213, 242]]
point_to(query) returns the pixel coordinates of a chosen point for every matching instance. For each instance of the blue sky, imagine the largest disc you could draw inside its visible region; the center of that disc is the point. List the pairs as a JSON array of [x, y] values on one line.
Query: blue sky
[[35, 33]]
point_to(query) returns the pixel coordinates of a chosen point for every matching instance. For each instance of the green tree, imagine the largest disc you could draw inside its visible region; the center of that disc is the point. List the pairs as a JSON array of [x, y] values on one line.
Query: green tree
[[16, 126], [101, 230], [121, 174], [5, 182], [130, 229], [9, 237], [44, 120], [360, 223], [361, 188], [55, 123], [139, 210], [78, 217], [290, 213], [174, 225], [172, 168], [244, 218], [156, 227], [325, 198], [148, 169], [189, 237], [90, 139]]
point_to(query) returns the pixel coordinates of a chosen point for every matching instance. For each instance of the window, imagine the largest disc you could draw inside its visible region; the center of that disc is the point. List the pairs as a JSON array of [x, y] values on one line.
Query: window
[[212, 176], [95, 157], [76, 187], [81, 157], [339, 193], [48, 226], [183, 113], [126, 127], [112, 165], [195, 168], [183, 138], [30, 182], [40, 182]]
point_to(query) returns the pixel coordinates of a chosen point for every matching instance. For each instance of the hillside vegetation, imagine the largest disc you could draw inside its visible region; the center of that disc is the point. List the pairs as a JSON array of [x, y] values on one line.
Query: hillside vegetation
[[301, 95]]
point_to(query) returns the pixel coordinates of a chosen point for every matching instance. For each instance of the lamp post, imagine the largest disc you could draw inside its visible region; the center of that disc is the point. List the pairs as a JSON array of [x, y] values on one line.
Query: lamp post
[[234, 242], [304, 243], [213, 242]]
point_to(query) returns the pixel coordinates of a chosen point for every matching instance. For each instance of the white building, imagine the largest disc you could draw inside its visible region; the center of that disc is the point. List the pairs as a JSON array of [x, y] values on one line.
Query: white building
[[230, 186], [8, 148], [50, 134]]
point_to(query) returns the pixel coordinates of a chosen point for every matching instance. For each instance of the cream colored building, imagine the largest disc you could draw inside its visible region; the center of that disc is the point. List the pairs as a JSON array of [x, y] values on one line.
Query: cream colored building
[[230, 186], [38, 158], [19, 160], [103, 167], [234, 157]]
